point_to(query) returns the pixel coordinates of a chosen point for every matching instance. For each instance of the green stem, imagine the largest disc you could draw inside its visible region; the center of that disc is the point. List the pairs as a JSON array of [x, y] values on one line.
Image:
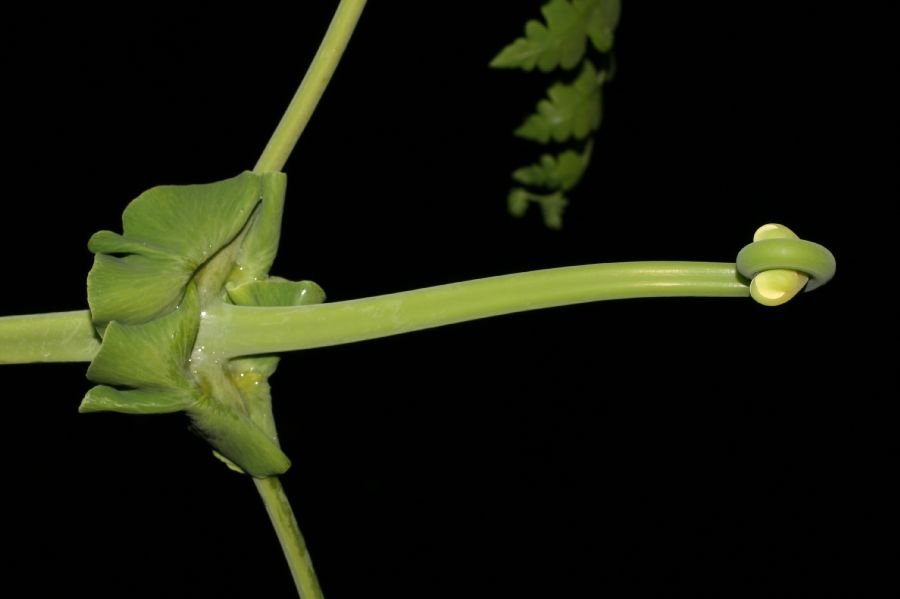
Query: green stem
[[312, 87], [235, 330], [231, 331], [292, 543], [54, 337], [228, 331]]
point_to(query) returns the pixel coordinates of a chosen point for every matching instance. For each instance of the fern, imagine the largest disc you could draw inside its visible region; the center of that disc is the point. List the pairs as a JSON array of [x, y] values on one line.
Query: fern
[[556, 174], [560, 172], [562, 40], [572, 110]]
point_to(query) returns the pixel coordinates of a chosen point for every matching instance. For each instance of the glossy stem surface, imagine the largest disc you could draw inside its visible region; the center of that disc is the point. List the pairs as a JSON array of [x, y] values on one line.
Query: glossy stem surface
[[53, 337], [232, 331], [239, 330]]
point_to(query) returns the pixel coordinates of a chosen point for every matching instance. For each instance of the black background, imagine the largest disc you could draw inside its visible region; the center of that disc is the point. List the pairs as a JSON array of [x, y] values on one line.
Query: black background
[[665, 446]]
